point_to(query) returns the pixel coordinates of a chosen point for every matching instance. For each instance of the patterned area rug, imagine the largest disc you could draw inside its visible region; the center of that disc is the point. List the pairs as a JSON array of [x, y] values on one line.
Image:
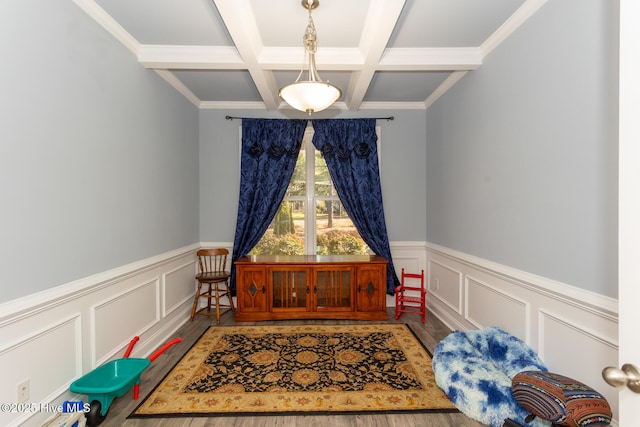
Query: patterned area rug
[[252, 370]]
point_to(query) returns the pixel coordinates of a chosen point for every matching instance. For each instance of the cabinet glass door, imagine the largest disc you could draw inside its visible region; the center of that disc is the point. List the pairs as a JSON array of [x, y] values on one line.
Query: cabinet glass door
[[333, 289], [290, 288]]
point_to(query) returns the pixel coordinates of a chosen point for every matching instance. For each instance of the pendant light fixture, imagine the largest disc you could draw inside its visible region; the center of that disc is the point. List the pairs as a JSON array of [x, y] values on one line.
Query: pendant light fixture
[[313, 94]]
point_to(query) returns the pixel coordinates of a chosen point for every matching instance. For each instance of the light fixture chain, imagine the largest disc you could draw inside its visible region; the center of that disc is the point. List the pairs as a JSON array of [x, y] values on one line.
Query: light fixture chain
[[310, 36], [313, 94]]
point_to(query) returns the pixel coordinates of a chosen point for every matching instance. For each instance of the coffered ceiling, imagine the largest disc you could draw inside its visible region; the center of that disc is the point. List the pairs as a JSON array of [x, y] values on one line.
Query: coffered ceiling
[[381, 53]]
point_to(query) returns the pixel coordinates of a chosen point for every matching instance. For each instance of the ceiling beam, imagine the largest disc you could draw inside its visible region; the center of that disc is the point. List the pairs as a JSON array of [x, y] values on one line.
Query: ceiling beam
[[327, 58], [430, 59], [190, 57], [382, 17], [241, 24], [363, 62], [330, 59]]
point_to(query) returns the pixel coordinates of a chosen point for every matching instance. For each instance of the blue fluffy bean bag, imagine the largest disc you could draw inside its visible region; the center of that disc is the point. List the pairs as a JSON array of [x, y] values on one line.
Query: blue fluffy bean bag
[[475, 369]]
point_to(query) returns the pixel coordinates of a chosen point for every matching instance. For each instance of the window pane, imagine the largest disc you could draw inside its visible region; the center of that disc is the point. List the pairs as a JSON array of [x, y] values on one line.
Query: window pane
[[323, 184], [335, 232], [285, 235], [298, 184]]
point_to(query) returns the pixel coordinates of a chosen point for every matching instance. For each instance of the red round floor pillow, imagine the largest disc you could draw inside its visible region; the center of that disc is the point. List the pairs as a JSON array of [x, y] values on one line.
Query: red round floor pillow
[[561, 400]]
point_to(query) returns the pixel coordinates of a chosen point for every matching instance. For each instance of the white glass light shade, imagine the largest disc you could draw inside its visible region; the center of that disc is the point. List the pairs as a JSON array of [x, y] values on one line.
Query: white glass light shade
[[310, 96]]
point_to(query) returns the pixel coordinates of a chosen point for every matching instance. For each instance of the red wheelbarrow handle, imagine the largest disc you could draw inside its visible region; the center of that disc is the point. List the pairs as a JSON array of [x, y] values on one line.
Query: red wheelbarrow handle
[[162, 349], [131, 344]]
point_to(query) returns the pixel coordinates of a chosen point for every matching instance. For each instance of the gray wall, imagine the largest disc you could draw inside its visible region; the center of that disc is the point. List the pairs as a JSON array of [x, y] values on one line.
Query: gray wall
[[402, 172], [522, 153], [98, 156], [102, 163]]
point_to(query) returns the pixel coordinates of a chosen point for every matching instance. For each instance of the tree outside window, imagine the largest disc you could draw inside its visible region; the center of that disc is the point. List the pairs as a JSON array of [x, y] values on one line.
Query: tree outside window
[[311, 219]]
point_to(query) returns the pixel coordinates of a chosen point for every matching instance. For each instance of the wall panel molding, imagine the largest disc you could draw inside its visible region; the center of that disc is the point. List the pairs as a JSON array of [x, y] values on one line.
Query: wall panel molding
[[504, 306], [562, 323], [58, 344], [452, 294], [583, 343], [173, 289], [408, 255], [150, 298], [117, 319]]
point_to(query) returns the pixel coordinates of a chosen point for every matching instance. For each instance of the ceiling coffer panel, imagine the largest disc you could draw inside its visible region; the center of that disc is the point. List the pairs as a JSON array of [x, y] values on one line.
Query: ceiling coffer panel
[[382, 53]]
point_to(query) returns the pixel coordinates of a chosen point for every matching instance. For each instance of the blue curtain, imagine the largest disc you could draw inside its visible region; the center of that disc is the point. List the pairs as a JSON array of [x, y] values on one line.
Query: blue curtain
[[270, 150], [351, 153]]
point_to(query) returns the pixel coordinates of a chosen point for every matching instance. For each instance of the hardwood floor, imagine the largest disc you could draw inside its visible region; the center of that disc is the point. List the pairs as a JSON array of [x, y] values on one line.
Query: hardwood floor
[[429, 333]]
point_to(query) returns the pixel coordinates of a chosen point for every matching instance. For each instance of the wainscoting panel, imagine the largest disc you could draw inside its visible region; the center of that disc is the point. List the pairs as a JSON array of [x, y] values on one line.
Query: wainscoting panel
[[55, 346], [507, 311], [445, 284], [409, 255], [583, 354], [574, 331], [116, 321], [56, 336], [178, 287]]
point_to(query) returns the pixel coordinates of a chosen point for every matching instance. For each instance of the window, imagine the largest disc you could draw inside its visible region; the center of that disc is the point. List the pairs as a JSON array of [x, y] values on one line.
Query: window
[[311, 219]]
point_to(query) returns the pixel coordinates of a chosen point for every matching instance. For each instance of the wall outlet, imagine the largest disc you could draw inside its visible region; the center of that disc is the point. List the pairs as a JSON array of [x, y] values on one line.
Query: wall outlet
[[437, 284], [23, 391]]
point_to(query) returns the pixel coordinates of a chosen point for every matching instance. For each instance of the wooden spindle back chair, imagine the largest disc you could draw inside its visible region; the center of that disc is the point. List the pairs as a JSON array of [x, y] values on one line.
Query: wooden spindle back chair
[[213, 284]]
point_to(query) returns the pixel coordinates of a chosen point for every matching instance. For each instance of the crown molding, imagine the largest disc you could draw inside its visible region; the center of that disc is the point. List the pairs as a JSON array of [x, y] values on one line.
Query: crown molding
[[514, 22], [444, 87], [431, 59], [92, 9], [179, 86]]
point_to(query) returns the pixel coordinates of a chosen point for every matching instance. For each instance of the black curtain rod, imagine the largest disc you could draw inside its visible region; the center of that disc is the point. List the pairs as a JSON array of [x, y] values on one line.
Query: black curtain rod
[[377, 118]]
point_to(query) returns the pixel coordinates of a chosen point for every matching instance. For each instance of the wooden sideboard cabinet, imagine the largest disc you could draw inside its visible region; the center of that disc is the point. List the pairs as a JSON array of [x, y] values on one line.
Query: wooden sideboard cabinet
[[276, 287]]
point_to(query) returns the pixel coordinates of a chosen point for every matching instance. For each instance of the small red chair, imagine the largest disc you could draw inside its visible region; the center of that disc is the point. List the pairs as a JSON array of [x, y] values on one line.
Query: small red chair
[[411, 298]]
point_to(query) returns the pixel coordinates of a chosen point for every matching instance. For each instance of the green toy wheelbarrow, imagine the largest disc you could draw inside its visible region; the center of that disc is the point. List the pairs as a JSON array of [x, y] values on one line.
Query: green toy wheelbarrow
[[114, 379]]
